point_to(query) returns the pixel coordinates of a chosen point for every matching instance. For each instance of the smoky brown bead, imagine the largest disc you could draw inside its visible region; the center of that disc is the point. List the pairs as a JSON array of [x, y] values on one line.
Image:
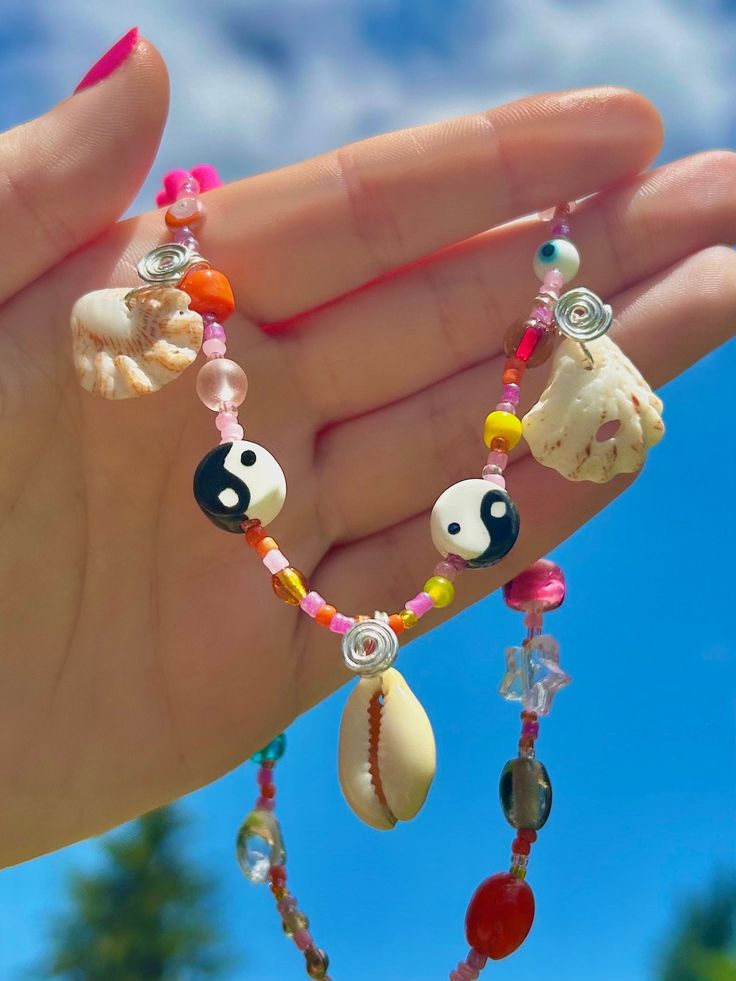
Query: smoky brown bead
[[317, 963], [543, 350], [526, 793]]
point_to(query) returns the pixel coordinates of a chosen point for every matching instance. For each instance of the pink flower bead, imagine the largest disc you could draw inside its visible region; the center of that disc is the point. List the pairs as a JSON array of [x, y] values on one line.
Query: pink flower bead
[[421, 604], [232, 434], [498, 459], [541, 587], [340, 624], [303, 939], [312, 603], [275, 561], [214, 348], [494, 478]]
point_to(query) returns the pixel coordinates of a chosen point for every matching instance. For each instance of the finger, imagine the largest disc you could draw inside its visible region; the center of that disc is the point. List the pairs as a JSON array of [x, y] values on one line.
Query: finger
[[71, 173], [664, 325], [450, 312], [354, 214]]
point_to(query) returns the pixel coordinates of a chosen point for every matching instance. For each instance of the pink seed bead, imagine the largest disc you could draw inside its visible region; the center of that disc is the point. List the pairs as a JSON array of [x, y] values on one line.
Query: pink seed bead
[[456, 561], [225, 419], [511, 393], [265, 776], [540, 587], [506, 407], [189, 186], [476, 959], [530, 729], [214, 348], [561, 230], [421, 603], [275, 561], [498, 459], [184, 236], [221, 382], [286, 905], [303, 939], [265, 803], [340, 624], [553, 280], [543, 315], [214, 330], [493, 478], [446, 569], [312, 603], [231, 434]]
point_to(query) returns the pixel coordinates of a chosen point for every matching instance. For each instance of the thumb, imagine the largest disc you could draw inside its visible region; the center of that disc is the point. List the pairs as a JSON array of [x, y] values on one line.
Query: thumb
[[71, 173]]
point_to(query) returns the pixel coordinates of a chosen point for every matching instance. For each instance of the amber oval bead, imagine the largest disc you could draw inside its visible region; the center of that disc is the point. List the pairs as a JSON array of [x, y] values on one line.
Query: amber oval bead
[[545, 345], [290, 585], [209, 291], [500, 915]]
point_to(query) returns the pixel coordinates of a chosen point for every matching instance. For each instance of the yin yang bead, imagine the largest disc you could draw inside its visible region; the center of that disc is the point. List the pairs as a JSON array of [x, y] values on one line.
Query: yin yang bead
[[239, 481], [557, 253], [476, 520]]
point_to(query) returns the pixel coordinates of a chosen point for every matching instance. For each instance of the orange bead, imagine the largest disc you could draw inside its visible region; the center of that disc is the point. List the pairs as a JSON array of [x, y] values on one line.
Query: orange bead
[[268, 790], [513, 371], [290, 585], [396, 623], [266, 545], [325, 615], [500, 444], [254, 533], [210, 292], [185, 211]]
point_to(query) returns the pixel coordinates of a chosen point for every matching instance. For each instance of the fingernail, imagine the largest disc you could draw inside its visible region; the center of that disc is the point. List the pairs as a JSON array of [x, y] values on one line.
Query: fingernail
[[111, 60]]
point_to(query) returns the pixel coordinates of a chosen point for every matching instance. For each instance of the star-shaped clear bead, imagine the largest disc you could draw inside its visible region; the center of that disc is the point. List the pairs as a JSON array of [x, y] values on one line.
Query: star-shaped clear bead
[[533, 674]]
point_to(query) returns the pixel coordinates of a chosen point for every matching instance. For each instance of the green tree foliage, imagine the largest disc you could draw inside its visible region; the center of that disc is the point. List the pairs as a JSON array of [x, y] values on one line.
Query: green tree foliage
[[142, 916], [703, 944]]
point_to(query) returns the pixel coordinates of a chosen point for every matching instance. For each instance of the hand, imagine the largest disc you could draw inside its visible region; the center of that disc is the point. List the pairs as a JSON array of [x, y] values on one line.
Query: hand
[[143, 653]]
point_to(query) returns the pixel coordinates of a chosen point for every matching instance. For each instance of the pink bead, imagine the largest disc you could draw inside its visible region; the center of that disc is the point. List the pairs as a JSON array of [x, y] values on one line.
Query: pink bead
[[312, 603], [188, 187], [541, 587], [184, 236], [561, 230], [421, 603], [446, 569], [498, 459], [265, 803], [506, 407], [265, 776], [286, 905], [232, 434], [543, 315], [275, 561], [303, 939], [533, 620], [493, 478], [476, 959], [553, 280], [511, 394], [214, 348], [340, 624], [225, 419], [456, 561], [530, 729], [214, 330], [221, 382]]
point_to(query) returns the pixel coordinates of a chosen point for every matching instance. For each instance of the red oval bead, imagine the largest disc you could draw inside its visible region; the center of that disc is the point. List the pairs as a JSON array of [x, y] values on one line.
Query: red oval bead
[[500, 915]]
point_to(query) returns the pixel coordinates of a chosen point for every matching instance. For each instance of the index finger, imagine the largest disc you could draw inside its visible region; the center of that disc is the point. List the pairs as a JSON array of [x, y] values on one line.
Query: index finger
[[298, 237]]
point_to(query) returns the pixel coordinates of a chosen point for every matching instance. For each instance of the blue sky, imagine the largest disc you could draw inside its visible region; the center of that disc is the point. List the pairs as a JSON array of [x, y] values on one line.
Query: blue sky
[[640, 748]]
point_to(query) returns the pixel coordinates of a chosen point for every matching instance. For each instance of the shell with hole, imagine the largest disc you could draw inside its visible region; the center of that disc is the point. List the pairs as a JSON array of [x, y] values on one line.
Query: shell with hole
[[386, 751], [122, 351], [593, 421]]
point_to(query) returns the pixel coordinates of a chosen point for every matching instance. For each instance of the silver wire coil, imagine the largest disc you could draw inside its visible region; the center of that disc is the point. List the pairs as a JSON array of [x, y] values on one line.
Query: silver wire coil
[[581, 315], [370, 647]]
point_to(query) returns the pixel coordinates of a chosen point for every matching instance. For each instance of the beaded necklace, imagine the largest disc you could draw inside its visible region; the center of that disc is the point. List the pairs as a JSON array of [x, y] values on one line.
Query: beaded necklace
[[596, 418]]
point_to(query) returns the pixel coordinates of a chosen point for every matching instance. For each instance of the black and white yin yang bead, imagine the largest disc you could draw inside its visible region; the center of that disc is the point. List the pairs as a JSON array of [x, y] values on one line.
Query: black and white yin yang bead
[[239, 481], [476, 520]]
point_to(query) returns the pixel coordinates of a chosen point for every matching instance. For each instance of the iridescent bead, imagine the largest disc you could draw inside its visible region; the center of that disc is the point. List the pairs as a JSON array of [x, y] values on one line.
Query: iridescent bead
[[526, 794], [561, 230], [539, 351], [500, 915], [317, 963], [441, 590], [511, 394], [538, 589], [557, 253], [271, 751], [290, 585], [504, 424], [183, 236], [221, 382], [312, 604]]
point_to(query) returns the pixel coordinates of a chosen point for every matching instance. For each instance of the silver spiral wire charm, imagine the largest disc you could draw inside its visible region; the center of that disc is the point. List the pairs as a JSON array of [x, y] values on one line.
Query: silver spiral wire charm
[[370, 647], [581, 315], [167, 264]]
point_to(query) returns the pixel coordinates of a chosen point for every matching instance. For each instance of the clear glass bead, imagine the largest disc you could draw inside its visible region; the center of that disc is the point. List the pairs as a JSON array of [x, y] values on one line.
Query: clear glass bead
[[259, 846]]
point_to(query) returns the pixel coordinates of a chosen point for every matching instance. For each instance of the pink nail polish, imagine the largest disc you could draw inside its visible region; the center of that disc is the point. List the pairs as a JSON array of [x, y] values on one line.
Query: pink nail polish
[[111, 60]]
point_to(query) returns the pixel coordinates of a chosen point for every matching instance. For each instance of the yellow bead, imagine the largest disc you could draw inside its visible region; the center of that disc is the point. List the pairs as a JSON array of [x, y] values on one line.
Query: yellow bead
[[441, 590], [290, 585], [503, 424], [408, 618]]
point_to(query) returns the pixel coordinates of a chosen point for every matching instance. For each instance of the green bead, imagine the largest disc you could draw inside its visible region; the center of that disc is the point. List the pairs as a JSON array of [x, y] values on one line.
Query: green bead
[[272, 752]]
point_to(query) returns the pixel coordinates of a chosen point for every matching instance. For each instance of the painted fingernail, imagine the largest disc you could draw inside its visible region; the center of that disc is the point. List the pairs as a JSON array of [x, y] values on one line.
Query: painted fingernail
[[111, 60]]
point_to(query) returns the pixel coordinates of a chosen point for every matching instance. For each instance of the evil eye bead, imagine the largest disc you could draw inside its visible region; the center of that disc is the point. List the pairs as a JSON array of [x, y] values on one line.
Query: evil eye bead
[[557, 253], [239, 481], [476, 520]]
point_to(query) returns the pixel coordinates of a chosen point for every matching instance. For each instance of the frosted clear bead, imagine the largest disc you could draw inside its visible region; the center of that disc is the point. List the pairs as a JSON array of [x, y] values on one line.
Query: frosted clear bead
[[221, 382]]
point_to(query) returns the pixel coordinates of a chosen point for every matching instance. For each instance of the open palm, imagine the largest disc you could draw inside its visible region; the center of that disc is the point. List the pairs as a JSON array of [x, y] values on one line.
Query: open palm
[[143, 653]]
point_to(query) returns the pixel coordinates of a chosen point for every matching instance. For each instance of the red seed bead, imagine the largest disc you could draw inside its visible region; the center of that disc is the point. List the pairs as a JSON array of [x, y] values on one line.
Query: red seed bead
[[255, 533], [278, 872], [526, 834], [268, 790], [519, 847], [513, 371], [500, 915], [325, 615], [210, 292], [266, 545], [396, 624]]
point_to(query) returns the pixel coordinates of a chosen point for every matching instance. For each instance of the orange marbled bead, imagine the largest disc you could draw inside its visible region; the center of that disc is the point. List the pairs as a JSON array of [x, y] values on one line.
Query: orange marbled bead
[[210, 292]]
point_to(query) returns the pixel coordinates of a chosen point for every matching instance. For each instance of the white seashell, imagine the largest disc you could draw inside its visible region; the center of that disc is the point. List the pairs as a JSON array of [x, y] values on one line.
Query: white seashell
[[121, 353], [582, 403], [386, 751]]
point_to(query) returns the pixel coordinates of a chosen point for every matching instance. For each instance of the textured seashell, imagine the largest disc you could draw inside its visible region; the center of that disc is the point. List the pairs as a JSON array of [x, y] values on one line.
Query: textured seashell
[[573, 427], [122, 352], [386, 751]]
